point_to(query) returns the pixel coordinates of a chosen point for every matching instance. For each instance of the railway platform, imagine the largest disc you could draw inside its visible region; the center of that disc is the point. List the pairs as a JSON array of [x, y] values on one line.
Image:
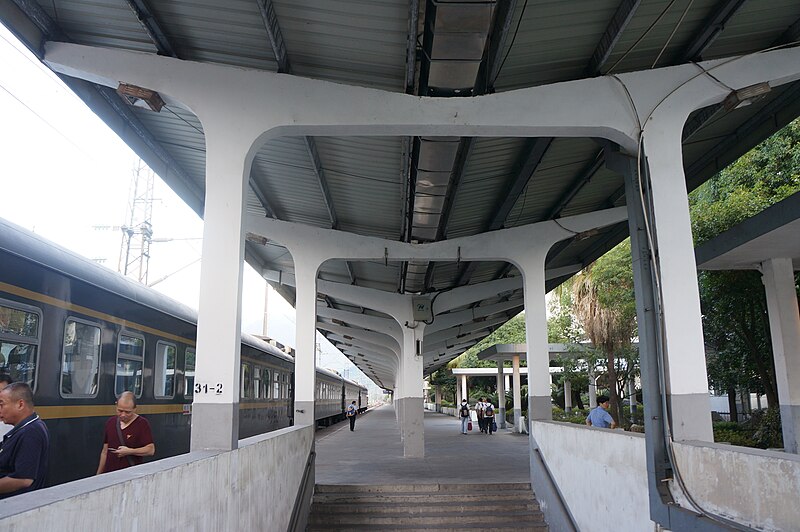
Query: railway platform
[[373, 453]]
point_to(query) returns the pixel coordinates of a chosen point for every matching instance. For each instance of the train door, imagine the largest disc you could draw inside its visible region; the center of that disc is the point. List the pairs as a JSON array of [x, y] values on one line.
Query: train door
[[344, 399]]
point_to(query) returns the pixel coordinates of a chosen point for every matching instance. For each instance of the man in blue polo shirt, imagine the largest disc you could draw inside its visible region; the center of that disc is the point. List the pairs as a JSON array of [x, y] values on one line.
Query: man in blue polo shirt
[[599, 417], [23, 452]]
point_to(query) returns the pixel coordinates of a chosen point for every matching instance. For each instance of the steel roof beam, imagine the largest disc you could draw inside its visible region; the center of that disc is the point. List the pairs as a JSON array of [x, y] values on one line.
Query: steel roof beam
[[616, 26], [411, 45], [490, 65], [710, 30], [791, 34], [534, 153], [278, 45], [487, 72], [276, 41], [145, 15], [576, 186]]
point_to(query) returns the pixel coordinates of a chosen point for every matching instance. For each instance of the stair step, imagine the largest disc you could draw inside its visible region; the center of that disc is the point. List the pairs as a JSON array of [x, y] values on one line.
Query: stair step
[[453, 519], [357, 506], [440, 507], [411, 497], [422, 488], [519, 526]]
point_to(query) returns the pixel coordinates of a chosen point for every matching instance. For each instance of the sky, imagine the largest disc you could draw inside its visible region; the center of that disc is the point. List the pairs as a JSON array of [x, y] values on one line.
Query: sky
[[66, 176]]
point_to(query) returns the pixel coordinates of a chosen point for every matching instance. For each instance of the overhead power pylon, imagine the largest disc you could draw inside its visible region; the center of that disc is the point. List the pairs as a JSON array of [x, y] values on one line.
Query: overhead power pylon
[[137, 232]]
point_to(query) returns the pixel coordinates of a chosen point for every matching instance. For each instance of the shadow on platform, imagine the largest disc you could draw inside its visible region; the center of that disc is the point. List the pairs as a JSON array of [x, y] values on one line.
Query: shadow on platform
[[373, 453]]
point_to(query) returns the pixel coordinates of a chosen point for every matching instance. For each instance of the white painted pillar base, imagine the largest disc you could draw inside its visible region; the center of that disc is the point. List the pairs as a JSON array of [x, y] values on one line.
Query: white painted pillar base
[[409, 404], [784, 325], [517, 392], [501, 395]]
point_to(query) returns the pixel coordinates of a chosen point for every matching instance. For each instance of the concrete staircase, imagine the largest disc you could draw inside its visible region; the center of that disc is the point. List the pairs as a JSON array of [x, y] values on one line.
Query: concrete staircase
[[442, 507]]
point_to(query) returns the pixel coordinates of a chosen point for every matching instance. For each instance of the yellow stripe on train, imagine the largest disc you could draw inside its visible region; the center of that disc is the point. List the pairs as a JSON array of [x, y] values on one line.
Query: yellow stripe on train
[[75, 411]]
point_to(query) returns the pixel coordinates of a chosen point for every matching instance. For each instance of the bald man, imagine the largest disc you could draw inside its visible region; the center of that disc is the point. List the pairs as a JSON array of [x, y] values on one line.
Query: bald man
[[23, 452], [128, 438]]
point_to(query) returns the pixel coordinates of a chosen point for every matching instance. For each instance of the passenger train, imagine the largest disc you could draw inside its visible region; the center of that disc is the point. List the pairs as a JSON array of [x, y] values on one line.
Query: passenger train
[[80, 334]]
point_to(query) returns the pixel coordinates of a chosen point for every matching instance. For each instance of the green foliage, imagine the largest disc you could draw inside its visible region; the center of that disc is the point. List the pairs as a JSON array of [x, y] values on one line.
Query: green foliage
[[735, 320], [511, 332], [733, 436], [768, 432], [577, 417]]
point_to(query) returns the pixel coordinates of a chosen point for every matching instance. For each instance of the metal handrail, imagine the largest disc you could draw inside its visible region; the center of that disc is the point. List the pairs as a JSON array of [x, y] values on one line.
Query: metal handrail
[[294, 520]]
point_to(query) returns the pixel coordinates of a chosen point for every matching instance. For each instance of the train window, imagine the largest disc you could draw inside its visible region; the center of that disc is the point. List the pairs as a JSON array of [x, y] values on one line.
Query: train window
[[130, 362], [256, 382], [19, 341], [81, 359], [265, 383], [164, 373], [276, 385], [247, 381], [188, 373]]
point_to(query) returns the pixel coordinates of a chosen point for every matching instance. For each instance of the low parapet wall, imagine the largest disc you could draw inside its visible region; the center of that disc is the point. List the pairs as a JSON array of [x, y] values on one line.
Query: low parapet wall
[[751, 486], [602, 474], [602, 477], [251, 488]]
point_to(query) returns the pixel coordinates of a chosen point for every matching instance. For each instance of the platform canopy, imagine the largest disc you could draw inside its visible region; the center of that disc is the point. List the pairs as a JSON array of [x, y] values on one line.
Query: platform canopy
[[772, 233], [420, 189]]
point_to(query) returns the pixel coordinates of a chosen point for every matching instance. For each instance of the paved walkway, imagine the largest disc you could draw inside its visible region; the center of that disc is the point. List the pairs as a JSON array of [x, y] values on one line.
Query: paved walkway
[[373, 453]]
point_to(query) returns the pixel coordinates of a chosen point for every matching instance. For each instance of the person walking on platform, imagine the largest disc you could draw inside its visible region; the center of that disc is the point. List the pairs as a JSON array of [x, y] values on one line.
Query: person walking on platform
[[479, 406], [464, 414], [351, 414], [127, 437], [488, 418]]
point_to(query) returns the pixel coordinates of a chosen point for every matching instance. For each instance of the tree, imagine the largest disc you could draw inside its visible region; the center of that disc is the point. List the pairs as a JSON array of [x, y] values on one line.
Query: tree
[[604, 305], [733, 303]]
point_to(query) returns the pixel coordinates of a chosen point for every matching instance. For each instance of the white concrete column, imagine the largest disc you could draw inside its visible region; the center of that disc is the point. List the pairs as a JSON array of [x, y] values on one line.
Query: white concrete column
[[501, 395], [409, 401], [305, 363], [215, 408], [539, 392], [784, 325], [507, 381], [517, 393], [592, 390], [632, 395], [464, 389], [567, 396], [685, 367], [458, 394]]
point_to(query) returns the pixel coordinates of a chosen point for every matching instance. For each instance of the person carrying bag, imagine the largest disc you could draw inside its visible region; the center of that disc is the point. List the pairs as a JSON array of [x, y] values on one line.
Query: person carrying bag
[[463, 413], [488, 417]]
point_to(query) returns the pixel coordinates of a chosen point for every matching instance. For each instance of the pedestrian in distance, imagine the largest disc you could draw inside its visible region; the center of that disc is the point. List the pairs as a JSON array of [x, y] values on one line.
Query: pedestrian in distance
[[127, 438], [488, 418], [351, 414], [463, 413], [479, 406], [599, 416], [23, 451]]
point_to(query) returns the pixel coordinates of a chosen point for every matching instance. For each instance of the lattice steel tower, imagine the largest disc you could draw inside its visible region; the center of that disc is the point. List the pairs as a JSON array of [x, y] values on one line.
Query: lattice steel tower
[[137, 233]]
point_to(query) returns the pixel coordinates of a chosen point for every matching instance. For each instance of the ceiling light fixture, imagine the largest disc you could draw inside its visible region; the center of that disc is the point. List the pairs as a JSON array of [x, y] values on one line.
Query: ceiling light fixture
[[140, 97], [745, 96]]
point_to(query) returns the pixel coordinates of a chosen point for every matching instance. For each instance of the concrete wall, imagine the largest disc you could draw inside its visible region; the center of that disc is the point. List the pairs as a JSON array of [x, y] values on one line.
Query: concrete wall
[[753, 487], [251, 488], [600, 472]]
